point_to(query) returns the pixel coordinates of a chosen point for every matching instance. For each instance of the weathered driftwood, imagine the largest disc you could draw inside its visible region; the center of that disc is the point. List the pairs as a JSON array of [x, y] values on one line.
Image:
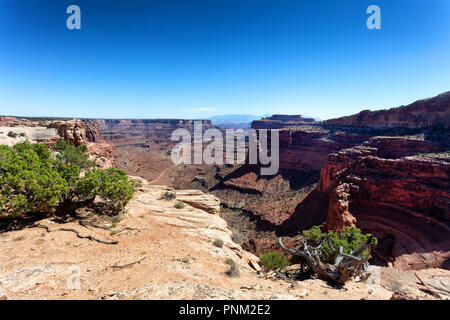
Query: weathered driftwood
[[345, 266]]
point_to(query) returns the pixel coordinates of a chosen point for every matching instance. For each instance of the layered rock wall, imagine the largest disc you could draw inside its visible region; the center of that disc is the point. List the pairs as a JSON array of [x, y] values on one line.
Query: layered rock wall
[[279, 121], [403, 200], [423, 113]]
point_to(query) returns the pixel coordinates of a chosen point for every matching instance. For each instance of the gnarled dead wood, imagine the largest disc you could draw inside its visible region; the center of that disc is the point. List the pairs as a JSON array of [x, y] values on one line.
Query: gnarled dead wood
[[77, 233], [344, 267]]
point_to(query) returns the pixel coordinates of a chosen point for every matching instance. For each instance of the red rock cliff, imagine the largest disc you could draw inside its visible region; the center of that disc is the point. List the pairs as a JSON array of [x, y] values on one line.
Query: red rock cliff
[[423, 113], [403, 200]]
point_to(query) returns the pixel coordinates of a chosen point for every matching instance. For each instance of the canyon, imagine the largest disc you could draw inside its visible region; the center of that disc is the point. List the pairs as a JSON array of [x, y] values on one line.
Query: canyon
[[398, 195], [356, 170], [386, 172]]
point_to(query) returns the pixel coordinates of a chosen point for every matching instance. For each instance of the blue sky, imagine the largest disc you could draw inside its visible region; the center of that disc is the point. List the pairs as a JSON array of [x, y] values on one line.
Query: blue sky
[[199, 58]]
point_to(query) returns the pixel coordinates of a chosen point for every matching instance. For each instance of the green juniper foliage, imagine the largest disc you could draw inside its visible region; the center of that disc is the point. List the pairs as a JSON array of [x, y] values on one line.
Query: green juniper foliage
[[69, 153], [12, 134], [112, 185], [32, 181], [179, 205], [349, 239], [273, 260], [168, 195]]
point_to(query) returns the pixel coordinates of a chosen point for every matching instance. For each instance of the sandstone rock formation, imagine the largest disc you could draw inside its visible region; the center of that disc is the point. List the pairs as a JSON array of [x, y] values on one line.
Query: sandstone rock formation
[[76, 131], [166, 253], [278, 121], [49, 131], [198, 199], [423, 113], [382, 147], [400, 197], [308, 150]]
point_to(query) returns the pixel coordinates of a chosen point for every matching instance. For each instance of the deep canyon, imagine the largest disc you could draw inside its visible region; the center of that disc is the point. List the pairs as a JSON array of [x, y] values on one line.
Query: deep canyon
[[386, 172], [389, 177]]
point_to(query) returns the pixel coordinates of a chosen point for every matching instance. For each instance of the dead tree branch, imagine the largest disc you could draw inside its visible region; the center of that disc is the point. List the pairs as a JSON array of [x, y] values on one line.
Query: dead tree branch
[[344, 267], [77, 233]]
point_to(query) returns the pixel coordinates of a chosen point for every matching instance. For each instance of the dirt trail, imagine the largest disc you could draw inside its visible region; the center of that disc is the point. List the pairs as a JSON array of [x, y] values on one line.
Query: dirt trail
[[162, 174]]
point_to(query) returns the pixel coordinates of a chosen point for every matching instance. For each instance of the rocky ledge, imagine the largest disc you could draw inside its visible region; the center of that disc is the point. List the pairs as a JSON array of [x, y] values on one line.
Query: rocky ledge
[[167, 253]]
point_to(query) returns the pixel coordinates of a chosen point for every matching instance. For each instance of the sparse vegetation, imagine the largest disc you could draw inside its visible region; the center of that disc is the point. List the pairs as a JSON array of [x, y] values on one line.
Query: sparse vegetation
[[237, 237], [168, 196], [12, 134], [218, 243], [32, 181], [179, 205], [233, 270], [435, 154], [273, 260], [349, 239]]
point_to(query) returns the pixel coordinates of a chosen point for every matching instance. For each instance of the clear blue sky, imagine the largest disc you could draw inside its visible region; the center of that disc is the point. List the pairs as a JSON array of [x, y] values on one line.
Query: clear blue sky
[[198, 58]]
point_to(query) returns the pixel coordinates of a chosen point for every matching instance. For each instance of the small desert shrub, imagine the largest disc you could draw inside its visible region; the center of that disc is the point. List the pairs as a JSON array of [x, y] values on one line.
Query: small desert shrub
[[233, 270], [22, 134], [237, 237], [12, 134], [218, 243], [394, 285], [168, 195], [179, 205], [273, 260]]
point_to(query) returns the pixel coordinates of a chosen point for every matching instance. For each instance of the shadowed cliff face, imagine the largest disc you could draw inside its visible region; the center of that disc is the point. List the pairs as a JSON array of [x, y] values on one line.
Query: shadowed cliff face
[[383, 188]]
